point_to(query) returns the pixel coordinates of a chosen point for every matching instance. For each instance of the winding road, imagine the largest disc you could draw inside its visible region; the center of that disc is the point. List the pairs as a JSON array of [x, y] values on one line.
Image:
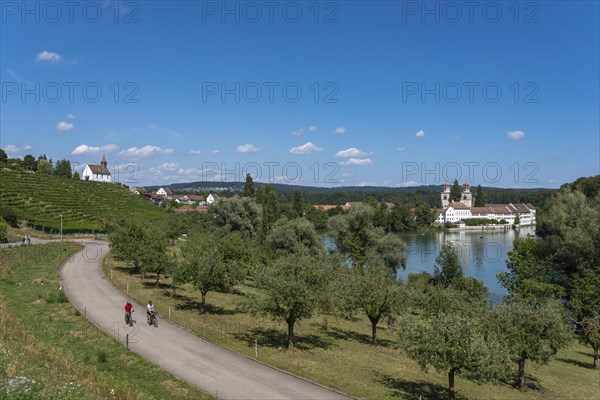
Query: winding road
[[215, 370]]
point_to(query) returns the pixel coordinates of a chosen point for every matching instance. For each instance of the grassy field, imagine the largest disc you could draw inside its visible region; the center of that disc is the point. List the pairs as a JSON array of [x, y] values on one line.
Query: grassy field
[[341, 357], [44, 339], [40, 199]]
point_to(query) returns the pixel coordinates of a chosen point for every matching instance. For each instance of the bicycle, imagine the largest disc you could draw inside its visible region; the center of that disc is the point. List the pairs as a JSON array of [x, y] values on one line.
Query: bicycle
[[128, 318], [153, 320]]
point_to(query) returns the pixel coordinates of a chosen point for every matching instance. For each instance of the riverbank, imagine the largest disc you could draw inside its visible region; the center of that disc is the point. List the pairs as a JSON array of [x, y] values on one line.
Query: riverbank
[[482, 228]]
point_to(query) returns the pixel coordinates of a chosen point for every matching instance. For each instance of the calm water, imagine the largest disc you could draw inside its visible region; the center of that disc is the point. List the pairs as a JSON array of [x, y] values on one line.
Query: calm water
[[482, 254]]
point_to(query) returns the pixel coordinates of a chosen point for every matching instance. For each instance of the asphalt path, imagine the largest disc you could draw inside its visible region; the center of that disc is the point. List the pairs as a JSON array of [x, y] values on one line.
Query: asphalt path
[[215, 370]]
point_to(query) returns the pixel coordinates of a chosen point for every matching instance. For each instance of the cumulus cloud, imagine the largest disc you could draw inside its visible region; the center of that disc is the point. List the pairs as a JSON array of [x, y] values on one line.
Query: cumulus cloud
[[247, 149], [71, 116], [85, 149], [401, 149], [27, 147], [515, 134], [297, 133], [341, 130], [410, 183], [352, 152], [49, 56], [215, 151], [357, 162], [144, 152], [63, 126], [11, 148], [421, 133], [195, 152], [312, 128], [306, 148]]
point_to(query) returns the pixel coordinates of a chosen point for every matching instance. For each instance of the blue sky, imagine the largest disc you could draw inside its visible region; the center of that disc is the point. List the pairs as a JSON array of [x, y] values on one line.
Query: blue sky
[[329, 93]]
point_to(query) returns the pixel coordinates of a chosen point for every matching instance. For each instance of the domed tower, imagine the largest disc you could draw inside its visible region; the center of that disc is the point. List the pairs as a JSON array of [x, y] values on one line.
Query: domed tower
[[467, 196], [445, 195]]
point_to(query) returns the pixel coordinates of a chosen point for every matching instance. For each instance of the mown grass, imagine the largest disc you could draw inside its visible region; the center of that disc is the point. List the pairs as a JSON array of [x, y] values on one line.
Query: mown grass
[[45, 339], [341, 356]]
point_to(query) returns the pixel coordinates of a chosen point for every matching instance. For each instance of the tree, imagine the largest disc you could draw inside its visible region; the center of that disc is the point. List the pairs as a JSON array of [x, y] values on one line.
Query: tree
[[45, 167], [139, 245], [291, 290], [317, 217], [9, 215], [76, 176], [298, 202], [425, 216], [455, 191], [376, 291], [249, 186], [297, 236], [241, 215], [447, 267], [402, 219], [479, 197], [585, 300], [529, 274], [3, 229], [517, 220], [454, 337], [532, 331], [63, 168], [267, 197], [29, 163], [3, 157]]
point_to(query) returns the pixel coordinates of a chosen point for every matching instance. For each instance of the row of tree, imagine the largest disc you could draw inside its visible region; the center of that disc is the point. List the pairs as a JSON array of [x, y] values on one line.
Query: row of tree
[[42, 164]]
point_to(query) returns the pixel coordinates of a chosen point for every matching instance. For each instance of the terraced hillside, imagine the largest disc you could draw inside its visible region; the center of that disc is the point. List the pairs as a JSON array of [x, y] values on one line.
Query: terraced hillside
[[40, 199]]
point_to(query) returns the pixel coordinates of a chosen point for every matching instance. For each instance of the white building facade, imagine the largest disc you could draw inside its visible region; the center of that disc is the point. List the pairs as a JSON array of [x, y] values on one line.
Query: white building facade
[[97, 173]]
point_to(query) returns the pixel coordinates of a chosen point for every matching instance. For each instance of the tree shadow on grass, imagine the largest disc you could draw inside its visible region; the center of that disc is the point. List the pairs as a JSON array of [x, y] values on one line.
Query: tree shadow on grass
[[277, 338], [344, 334], [585, 353], [126, 269], [152, 285], [416, 390], [577, 363], [188, 303]]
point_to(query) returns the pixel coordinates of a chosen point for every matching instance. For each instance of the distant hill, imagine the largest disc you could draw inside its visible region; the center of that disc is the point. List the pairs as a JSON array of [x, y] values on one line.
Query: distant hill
[[40, 199], [412, 195]]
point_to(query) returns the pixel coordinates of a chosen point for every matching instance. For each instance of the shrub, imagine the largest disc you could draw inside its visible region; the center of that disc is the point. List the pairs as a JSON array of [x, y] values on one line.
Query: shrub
[[9, 215], [3, 228]]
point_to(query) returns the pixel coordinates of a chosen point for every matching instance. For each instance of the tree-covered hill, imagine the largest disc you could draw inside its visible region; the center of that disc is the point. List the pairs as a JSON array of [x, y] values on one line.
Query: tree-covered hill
[[39, 199]]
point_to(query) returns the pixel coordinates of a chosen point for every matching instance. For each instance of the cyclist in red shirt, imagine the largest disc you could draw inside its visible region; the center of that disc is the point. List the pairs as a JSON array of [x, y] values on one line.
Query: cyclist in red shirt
[[128, 310]]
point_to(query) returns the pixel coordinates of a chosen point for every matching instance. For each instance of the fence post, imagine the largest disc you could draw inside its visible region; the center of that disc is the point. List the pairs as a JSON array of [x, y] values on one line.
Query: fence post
[[127, 287], [127, 341], [169, 312], [256, 348]]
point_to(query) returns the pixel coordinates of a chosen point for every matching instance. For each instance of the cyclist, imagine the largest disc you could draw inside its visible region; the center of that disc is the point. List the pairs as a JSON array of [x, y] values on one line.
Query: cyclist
[[150, 310], [128, 310]]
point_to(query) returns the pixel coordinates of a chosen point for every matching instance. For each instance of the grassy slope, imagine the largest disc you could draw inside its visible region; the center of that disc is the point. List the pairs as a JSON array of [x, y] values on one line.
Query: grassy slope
[[342, 358], [43, 337], [40, 199]]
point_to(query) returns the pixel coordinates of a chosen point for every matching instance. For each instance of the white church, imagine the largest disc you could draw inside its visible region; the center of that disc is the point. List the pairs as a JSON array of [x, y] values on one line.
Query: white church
[[456, 211], [97, 173]]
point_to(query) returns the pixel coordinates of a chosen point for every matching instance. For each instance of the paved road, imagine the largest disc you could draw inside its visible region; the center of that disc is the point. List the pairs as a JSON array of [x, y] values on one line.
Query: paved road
[[215, 370]]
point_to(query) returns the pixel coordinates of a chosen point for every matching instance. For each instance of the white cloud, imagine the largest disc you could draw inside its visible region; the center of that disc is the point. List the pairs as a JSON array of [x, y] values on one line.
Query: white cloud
[[49, 56], [11, 148], [85, 149], [347, 174], [367, 183], [312, 128], [410, 183], [401, 149], [352, 152], [195, 152], [341, 130], [297, 133], [144, 152], [27, 147], [63, 126], [357, 162], [421, 133], [215, 151], [459, 136], [306, 148], [515, 134], [165, 131], [71, 116], [247, 149]]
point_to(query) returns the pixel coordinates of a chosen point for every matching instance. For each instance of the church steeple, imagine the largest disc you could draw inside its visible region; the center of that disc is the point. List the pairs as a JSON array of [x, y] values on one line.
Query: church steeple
[[103, 162]]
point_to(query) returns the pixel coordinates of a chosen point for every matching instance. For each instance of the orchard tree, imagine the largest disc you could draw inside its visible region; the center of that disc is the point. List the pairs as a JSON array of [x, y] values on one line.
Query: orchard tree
[[268, 198], [402, 219], [291, 290], [295, 236], [532, 331], [447, 267], [298, 201], [29, 163], [585, 300], [241, 215]]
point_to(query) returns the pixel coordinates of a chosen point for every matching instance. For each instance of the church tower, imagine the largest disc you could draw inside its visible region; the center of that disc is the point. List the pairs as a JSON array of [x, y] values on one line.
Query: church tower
[[103, 162], [446, 195], [467, 197]]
